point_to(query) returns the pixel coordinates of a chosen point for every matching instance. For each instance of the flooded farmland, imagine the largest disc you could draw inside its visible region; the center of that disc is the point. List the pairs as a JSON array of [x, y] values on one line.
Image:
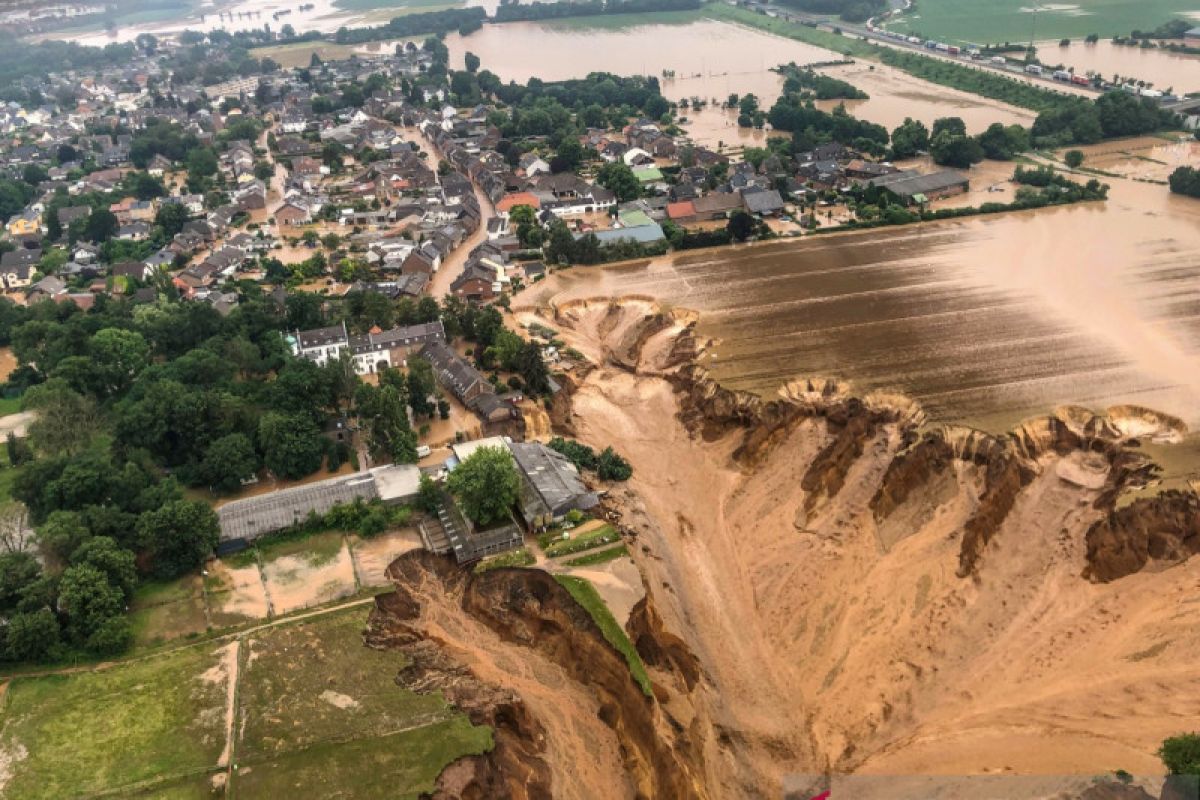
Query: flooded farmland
[[1162, 68], [984, 321], [712, 59]]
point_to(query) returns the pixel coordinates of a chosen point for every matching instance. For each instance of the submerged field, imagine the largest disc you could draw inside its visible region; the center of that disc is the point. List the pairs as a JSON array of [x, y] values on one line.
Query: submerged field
[[314, 708], [987, 21]]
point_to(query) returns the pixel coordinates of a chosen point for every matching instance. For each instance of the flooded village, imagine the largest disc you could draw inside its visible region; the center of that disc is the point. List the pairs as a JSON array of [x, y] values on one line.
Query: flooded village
[[665, 399]]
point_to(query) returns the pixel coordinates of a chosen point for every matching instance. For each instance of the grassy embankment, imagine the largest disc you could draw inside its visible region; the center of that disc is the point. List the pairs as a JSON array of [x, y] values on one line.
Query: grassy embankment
[[599, 557], [586, 595], [992, 21], [318, 714], [513, 558]]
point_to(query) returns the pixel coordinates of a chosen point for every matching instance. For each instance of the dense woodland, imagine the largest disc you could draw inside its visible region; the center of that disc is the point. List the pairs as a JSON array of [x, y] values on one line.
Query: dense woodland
[[138, 403]]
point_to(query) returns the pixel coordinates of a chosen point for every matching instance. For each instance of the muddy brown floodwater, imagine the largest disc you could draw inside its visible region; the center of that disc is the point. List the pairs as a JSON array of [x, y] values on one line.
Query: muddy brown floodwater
[[984, 321], [1161, 67], [711, 60]]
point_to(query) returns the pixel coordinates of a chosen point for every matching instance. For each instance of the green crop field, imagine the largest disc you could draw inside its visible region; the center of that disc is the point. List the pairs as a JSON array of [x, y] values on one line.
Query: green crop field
[[991, 21]]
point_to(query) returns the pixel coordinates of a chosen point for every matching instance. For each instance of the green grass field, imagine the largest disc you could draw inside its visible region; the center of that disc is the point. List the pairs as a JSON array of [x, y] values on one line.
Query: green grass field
[[164, 611], [318, 715], [400, 765], [9, 405], [315, 681], [586, 595], [990, 21], [76, 735]]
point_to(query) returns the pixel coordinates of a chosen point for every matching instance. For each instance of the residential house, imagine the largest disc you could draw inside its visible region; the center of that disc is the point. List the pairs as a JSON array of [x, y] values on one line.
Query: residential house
[[370, 352]]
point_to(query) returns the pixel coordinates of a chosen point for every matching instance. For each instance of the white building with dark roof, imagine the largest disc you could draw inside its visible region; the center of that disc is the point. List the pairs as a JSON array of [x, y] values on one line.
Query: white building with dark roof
[[369, 352]]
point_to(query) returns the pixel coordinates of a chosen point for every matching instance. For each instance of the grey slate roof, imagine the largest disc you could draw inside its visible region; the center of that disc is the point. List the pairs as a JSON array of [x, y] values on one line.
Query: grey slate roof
[[551, 483], [252, 517], [907, 184]]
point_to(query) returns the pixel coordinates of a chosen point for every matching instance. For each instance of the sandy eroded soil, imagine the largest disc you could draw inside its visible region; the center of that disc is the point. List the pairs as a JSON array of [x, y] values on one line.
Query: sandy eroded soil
[[830, 639]]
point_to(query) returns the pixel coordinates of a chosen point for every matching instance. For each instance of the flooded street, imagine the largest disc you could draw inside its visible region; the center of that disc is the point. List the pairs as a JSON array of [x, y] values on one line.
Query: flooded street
[[712, 60], [984, 321]]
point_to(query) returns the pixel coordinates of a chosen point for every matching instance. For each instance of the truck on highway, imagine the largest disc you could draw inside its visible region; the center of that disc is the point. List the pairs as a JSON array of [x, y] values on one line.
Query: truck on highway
[[1033, 69]]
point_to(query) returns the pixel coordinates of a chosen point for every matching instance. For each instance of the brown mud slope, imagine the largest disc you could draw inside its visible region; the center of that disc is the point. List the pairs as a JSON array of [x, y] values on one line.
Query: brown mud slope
[[516, 652], [835, 589]]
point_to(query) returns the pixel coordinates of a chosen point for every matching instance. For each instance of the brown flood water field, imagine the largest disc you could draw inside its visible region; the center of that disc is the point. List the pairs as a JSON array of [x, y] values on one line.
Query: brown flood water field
[[711, 60], [984, 321]]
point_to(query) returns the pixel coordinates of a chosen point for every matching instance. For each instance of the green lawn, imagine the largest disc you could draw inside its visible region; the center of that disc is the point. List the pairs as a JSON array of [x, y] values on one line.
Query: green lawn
[[75, 735], [988, 21], [316, 549], [599, 557], [164, 611], [606, 534], [315, 682], [9, 405], [586, 595]]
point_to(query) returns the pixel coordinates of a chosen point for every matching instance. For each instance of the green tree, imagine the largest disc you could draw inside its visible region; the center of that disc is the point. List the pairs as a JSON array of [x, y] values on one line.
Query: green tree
[[31, 636], [201, 164], [568, 156], [951, 125], [171, 217], [291, 444], [119, 355], [429, 496], [532, 369], [472, 62], [383, 412], [740, 226], [1181, 754], [66, 419], [228, 461], [62, 534], [1185, 181], [611, 467], [18, 570], [117, 564], [101, 226], [952, 150], [87, 600], [485, 485], [1073, 158], [421, 387], [1002, 142], [179, 536], [620, 180], [560, 248]]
